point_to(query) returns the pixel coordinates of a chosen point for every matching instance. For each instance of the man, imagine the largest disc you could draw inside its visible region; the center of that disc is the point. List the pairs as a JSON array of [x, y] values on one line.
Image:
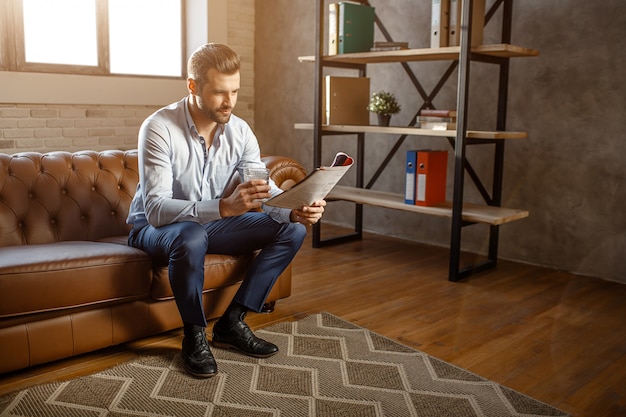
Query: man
[[189, 202]]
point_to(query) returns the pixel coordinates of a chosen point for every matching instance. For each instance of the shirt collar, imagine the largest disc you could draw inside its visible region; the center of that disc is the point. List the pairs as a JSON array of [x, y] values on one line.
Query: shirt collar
[[190, 123]]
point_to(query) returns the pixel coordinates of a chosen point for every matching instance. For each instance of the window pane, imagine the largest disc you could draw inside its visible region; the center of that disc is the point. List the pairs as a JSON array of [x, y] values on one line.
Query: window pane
[[60, 32], [145, 37]]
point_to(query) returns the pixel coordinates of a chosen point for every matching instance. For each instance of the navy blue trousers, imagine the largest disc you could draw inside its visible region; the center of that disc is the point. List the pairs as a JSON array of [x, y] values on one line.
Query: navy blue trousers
[[182, 247]]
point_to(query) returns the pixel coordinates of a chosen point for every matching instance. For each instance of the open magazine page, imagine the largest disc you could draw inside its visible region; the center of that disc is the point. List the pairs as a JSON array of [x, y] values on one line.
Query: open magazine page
[[315, 186]]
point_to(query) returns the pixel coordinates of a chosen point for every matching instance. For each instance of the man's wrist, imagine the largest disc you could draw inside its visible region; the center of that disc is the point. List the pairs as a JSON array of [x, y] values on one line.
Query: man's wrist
[[221, 210]]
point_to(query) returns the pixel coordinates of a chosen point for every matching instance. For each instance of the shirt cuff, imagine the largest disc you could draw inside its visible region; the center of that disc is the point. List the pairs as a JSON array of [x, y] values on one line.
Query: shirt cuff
[[209, 210], [281, 215]]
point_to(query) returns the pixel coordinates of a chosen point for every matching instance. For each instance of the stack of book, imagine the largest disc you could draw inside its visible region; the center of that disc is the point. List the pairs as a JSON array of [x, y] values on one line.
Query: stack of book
[[437, 119]]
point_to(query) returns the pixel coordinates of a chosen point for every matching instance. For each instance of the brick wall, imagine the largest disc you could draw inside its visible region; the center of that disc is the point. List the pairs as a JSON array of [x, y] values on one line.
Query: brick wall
[[51, 127]]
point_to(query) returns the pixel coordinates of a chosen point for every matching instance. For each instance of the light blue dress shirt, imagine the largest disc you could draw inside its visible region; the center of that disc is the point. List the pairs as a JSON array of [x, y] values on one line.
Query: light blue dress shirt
[[179, 180]]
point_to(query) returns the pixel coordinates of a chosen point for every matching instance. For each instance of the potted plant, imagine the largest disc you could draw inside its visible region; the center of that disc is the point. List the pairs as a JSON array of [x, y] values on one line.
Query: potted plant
[[384, 104]]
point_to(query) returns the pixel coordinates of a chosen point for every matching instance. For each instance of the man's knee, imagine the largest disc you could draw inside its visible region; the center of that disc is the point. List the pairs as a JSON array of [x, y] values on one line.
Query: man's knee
[[190, 240], [296, 233]]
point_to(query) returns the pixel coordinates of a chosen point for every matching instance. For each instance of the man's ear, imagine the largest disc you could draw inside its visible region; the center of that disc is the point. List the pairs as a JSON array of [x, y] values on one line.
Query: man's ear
[[192, 86]]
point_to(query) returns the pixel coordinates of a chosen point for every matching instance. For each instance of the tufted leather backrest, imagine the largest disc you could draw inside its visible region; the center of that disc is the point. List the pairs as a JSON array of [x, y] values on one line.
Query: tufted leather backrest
[[61, 196], [284, 171]]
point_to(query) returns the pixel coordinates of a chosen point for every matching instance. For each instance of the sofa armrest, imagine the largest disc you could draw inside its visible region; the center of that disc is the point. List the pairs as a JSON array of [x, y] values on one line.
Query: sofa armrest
[[286, 172]]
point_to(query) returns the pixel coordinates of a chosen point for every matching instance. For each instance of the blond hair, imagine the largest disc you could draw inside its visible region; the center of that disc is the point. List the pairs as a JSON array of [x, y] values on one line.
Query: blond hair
[[212, 55]]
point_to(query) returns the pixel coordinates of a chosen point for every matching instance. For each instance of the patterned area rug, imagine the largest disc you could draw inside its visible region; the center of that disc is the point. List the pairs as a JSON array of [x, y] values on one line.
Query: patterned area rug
[[325, 367]]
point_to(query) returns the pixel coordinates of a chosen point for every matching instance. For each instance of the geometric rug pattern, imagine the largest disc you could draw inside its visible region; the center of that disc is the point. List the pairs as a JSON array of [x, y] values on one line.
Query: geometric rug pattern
[[326, 367]]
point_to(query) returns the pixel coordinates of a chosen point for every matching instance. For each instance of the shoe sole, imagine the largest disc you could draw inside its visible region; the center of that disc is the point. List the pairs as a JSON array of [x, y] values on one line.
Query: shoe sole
[[229, 346], [199, 375]]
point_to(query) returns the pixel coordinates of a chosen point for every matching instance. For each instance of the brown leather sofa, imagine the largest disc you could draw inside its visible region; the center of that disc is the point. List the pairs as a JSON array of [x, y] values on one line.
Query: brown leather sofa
[[69, 283]]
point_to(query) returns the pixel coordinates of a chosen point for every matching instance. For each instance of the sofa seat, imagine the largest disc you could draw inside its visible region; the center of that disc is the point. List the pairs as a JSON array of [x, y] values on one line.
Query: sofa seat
[[60, 275], [220, 271]]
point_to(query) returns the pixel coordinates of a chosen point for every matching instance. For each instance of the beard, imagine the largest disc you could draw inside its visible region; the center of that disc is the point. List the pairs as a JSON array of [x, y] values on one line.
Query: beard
[[220, 115]]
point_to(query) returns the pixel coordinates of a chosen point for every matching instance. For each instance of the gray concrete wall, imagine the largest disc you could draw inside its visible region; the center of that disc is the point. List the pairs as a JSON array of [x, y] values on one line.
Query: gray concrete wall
[[570, 173]]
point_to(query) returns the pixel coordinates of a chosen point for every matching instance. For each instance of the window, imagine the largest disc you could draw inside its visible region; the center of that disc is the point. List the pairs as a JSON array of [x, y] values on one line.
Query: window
[[53, 35], [129, 37]]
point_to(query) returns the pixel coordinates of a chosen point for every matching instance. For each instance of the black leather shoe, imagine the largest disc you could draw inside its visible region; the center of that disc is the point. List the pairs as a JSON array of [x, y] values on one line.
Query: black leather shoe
[[197, 357], [237, 335]]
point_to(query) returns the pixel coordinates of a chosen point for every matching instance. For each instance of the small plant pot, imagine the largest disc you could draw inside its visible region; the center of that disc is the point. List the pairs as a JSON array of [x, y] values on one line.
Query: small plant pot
[[384, 119]]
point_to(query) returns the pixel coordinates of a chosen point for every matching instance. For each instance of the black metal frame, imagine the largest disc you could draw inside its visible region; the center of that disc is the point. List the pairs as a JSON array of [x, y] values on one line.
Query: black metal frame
[[458, 143]]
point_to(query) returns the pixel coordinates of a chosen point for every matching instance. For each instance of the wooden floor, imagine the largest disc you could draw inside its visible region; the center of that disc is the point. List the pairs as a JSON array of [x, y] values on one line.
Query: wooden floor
[[557, 337]]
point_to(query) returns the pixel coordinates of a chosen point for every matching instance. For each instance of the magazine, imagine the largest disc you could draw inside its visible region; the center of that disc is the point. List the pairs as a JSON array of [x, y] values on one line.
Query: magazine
[[315, 186]]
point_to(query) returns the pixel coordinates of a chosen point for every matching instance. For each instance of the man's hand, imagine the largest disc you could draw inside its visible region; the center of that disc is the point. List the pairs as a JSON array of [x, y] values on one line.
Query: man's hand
[[309, 215], [245, 197]]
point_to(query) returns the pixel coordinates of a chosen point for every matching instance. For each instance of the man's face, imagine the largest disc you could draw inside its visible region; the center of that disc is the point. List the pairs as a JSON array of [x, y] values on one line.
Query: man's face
[[218, 95]]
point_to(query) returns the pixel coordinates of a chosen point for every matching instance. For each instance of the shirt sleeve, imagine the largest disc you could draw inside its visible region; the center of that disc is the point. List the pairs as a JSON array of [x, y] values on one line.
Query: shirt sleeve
[[280, 215]]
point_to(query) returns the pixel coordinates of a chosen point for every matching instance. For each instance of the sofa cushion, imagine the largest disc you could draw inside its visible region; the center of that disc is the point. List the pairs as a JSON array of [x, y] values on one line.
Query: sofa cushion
[[40, 278], [219, 271]]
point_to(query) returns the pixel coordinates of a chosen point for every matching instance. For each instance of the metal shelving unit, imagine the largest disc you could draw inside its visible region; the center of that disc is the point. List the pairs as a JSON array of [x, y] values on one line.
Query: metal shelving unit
[[461, 214]]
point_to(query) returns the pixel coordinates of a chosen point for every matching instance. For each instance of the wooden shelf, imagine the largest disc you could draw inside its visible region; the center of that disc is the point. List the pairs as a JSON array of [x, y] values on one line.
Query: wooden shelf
[[501, 50], [399, 130], [471, 212]]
